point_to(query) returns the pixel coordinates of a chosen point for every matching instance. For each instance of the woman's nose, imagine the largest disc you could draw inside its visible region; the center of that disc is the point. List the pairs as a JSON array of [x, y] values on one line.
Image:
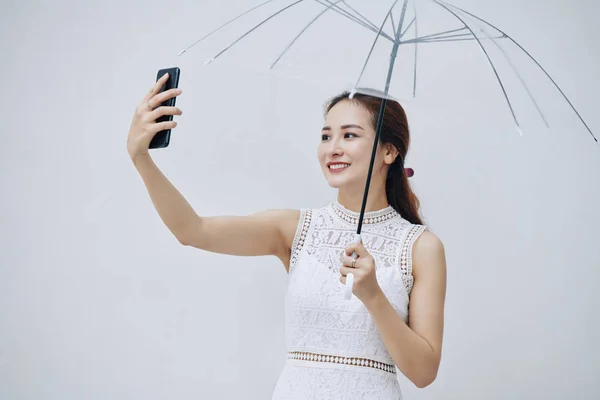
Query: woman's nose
[[335, 148]]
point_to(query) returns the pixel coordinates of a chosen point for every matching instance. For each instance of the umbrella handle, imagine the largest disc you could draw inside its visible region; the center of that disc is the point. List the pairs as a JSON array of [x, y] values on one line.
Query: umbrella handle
[[350, 276]]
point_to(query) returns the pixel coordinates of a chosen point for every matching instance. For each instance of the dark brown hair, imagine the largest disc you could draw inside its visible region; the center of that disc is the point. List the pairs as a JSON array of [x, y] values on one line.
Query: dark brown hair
[[394, 131]]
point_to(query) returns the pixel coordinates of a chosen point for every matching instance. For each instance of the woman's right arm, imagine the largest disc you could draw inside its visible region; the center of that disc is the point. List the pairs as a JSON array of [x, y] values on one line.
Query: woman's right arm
[[268, 232]]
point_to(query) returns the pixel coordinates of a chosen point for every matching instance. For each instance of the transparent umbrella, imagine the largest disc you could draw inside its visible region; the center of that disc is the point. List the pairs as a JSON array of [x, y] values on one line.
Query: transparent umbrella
[[358, 44]]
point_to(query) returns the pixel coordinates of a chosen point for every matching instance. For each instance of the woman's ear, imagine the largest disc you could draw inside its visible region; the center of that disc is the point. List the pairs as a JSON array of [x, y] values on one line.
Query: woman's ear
[[390, 153]]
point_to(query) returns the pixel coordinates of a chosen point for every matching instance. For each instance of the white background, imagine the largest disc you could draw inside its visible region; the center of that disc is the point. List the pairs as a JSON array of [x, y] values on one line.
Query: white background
[[99, 301]]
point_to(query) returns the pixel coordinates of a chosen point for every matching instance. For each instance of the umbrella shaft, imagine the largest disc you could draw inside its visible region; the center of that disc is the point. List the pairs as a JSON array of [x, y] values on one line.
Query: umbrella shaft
[[393, 55]]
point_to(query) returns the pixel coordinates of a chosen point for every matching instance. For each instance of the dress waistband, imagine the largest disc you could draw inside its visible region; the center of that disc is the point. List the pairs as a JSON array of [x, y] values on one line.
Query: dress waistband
[[356, 361]]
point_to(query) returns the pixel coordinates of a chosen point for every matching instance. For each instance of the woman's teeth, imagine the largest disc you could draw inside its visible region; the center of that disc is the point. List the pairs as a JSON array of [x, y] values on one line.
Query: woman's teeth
[[338, 166]]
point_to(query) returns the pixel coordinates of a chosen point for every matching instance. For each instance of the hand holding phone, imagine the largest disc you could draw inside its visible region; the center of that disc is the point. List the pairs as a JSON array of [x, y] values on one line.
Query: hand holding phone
[[153, 118], [163, 138]]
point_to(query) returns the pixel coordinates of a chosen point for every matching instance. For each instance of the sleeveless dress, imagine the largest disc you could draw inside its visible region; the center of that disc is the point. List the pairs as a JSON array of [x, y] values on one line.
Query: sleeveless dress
[[334, 348]]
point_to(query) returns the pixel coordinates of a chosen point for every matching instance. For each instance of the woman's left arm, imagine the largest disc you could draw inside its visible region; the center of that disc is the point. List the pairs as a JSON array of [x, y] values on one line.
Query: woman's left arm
[[417, 347]]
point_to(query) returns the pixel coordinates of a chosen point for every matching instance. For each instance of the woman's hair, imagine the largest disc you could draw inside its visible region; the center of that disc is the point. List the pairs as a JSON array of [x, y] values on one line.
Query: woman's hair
[[394, 131]]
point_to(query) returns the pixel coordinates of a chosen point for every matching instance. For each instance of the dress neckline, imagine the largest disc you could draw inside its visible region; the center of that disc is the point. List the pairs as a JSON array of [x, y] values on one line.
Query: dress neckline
[[371, 217]]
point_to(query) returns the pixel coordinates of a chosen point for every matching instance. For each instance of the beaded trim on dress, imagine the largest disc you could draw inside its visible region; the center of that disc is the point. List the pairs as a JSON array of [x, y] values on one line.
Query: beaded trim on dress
[[355, 361], [371, 217]]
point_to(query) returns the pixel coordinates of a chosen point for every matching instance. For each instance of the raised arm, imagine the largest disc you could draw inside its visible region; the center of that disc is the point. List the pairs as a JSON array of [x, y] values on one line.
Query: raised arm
[[265, 233], [269, 232]]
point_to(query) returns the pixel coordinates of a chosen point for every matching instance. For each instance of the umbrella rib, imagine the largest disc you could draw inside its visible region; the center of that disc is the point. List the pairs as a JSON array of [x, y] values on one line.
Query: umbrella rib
[[538, 64], [348, 15], [519, 76], [407, 28], [360, 15], [444, 40], [459, 35], [253, 29], [224, 25], [375, 42], [443, 33], [304, 30], [393, 26], [489, 61], [432, 36]]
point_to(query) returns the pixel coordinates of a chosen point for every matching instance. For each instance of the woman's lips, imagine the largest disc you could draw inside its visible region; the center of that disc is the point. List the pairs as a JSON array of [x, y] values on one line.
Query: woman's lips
[[337, 168]]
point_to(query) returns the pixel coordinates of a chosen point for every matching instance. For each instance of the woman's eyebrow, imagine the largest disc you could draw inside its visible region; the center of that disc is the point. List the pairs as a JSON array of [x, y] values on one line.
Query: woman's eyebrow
[[327, 128]]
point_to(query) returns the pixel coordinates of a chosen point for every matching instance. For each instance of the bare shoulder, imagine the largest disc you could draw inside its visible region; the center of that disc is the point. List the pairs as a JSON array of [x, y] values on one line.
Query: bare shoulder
[[428, 253]]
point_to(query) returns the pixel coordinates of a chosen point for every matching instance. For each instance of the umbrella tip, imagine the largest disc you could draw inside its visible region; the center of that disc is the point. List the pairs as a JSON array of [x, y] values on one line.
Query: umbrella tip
[[209, 61], [352, 93], [181, 52], [519, 130]]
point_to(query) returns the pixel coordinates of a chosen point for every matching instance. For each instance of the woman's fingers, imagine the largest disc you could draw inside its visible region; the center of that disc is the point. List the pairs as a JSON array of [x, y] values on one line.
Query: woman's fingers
[[161, 126], [349, 262], [161, 111], [161, 97], [144, 125], [156, 88]]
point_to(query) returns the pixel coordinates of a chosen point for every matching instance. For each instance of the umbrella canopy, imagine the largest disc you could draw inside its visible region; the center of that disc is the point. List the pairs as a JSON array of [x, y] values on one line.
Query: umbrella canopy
[[354, 44], [369, 47]]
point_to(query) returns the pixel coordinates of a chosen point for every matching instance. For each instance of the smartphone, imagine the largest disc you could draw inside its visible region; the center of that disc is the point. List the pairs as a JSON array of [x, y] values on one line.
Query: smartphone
[[163, 138]]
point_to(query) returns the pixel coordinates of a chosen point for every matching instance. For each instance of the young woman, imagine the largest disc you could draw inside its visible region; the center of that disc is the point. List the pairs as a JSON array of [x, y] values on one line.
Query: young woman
[[337, 348]]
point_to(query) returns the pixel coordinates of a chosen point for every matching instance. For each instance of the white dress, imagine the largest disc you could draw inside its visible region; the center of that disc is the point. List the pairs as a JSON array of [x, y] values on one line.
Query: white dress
[[334, 348]]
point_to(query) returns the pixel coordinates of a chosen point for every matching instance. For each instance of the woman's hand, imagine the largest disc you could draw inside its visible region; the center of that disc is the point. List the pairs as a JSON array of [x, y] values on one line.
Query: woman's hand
[[144, 126], [365, 285]]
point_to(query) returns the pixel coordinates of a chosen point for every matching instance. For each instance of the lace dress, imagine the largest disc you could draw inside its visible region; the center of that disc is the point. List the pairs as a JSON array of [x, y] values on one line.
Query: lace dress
[[334, 348]]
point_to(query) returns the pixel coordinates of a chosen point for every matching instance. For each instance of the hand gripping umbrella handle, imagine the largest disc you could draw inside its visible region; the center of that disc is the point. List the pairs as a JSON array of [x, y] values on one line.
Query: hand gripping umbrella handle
[[350, 276]]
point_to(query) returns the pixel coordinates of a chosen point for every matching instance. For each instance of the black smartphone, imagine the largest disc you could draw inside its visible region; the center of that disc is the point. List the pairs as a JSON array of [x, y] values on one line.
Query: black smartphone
[[163, 138]]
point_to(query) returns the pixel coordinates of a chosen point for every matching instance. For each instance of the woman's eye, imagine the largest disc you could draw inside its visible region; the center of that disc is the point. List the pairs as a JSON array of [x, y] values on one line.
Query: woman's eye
[[346, 136]]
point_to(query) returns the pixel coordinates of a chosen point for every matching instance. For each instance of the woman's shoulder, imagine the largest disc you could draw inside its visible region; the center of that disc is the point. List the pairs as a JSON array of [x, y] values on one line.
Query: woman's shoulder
[[425, 239], [422, 238], [289, 218], [293, 221], [428, 241], [428, 254]]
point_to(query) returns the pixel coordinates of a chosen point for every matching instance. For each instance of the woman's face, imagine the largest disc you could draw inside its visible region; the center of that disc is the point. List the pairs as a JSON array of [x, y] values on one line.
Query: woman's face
[[346, 146]]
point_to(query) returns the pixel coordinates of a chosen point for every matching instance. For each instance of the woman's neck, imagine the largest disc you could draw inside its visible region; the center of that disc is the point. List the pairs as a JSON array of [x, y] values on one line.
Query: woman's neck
[[375, 201]]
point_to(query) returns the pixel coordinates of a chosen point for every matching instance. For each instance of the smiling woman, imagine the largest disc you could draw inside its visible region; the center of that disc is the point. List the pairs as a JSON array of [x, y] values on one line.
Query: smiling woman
[[337, 349], [356, 119]]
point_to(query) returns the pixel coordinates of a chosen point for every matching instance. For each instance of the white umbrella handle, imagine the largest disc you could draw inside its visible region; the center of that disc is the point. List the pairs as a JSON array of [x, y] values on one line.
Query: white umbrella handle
[[350, 276]]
